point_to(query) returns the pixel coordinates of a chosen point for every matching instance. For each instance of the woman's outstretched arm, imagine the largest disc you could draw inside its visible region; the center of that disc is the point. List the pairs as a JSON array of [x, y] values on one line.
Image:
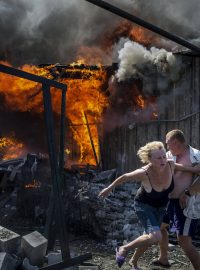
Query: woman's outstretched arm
[[137, 175]]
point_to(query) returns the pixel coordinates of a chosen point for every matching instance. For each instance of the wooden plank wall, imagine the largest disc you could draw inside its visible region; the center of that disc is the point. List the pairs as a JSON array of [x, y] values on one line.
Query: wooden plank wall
[[120, 146]]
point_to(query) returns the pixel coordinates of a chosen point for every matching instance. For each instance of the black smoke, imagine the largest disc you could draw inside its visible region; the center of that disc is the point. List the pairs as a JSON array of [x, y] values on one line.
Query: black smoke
[[48, 31]]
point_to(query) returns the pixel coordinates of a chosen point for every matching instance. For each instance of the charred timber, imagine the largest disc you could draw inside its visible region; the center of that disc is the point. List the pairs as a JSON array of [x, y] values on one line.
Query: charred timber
[[82, 71], [145, 24]]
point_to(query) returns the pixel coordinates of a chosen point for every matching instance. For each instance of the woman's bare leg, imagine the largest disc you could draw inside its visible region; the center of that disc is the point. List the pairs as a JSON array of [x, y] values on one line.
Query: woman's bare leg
[[137, 254], [140, 242]]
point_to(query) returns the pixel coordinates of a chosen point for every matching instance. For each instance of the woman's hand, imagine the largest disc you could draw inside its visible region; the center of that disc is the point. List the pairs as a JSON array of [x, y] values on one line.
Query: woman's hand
[[105, 192]]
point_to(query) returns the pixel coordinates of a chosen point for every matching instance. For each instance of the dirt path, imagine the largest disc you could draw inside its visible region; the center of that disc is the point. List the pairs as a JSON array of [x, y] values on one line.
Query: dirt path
[[104, 258]]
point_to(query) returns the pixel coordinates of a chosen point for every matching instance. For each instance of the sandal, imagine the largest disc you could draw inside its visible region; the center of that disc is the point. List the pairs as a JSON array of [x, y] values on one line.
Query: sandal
[[119, 258]]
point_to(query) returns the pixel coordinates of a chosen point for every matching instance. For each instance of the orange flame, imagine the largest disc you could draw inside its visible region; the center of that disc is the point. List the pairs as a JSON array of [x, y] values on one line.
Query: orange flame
[[140, 101], [140, 35], [11, 148], [34, 184], [148, 103], [83, 95], [128, 30]]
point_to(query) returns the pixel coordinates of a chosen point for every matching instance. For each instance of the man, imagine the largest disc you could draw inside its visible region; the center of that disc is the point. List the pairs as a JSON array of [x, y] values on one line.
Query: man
[[185, 227]]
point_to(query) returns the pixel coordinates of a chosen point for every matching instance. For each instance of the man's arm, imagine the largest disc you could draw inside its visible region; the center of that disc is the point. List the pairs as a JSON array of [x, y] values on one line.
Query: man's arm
[[194, 188], [193, 169]]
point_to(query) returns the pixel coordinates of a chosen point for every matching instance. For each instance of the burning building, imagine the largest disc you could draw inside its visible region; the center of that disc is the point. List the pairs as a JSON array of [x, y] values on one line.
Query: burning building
[[111, 109], [108, 106]]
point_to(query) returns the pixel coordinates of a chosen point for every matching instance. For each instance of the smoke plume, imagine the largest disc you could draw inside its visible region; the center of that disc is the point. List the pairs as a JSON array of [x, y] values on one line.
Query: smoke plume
[[135, 59], [36, 32]]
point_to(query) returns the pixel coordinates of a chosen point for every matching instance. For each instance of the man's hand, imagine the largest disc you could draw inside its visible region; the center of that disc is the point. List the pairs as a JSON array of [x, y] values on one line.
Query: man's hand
[[183, 200]]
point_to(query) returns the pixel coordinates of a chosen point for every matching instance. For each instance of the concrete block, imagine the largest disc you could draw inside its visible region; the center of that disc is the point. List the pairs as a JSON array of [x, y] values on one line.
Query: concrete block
[[34, 246], [9, 241]]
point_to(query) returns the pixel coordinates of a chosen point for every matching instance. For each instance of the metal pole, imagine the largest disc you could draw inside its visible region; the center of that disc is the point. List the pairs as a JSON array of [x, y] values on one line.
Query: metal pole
[[62, 132], [144, 24], [59, 209]]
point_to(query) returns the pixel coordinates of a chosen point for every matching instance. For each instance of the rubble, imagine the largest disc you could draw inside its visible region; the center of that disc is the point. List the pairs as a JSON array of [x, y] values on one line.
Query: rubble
[[112, 220]]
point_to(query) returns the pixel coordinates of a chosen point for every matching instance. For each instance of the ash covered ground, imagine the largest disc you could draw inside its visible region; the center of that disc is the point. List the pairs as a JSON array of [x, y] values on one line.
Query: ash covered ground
[[104, 257]]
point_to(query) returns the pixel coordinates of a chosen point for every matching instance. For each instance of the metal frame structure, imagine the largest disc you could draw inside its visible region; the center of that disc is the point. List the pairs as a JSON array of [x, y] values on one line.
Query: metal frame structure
[[56, 207]]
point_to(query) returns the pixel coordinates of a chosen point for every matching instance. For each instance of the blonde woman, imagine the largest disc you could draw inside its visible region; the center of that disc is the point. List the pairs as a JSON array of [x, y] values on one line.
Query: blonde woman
[[150, 202]]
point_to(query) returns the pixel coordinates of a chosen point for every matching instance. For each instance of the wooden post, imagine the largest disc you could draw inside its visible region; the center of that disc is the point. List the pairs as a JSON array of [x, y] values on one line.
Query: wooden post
[[91, 140]]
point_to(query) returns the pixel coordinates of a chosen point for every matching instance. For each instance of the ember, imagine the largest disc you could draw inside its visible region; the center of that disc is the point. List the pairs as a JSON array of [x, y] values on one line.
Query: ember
[[35, 184]]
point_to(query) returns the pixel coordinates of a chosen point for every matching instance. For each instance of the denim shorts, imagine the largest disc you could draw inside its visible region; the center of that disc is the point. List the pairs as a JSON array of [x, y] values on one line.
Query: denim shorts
[[149, 216]]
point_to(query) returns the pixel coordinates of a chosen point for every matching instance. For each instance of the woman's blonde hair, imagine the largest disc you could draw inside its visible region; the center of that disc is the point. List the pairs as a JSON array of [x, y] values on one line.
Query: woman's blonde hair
[[144, 153]]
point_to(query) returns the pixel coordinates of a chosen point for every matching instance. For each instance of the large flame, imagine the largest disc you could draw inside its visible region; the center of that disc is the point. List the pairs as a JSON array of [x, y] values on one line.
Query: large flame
[[84, 99], [85, 105]]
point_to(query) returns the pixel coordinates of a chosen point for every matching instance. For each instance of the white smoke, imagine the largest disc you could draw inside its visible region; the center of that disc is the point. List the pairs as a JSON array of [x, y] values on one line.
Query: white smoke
[[135, 58]]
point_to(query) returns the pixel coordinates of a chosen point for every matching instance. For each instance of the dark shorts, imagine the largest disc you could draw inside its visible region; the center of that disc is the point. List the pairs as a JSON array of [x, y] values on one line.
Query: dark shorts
[[177, 221], [150, 217]]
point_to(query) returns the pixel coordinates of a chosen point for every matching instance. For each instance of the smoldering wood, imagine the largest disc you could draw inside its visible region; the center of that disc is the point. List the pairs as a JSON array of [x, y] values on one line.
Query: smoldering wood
[[70, 71], [26, 189], [30, 204]]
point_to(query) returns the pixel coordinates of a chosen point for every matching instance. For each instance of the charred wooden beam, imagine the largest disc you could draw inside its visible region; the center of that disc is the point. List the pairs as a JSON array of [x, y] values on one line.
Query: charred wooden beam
[[145, 24], [91, 140], [72, 71]]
